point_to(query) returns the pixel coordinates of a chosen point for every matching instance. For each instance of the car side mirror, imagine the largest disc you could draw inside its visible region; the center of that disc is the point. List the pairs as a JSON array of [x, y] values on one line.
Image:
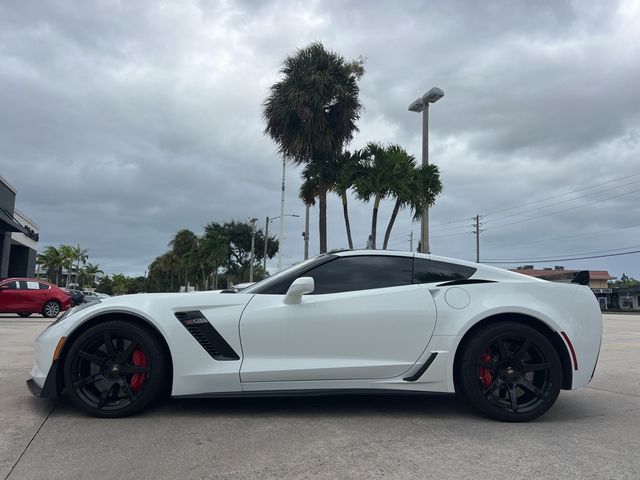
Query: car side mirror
[[299, 287]]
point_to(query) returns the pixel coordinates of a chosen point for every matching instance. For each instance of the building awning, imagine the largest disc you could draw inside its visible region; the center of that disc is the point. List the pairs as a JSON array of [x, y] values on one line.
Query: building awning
[[8, 224]]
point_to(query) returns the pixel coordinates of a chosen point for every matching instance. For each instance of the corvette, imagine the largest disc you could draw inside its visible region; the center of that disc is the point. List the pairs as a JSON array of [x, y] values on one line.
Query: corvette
[[346, 322]]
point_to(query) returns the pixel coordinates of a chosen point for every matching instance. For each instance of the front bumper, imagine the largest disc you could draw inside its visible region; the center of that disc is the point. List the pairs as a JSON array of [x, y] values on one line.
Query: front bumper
[[50, 387]]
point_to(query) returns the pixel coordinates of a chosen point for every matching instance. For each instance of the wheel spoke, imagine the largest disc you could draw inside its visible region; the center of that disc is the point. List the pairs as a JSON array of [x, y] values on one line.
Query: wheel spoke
[[127, 391], [87, 381], [108, 342], [513, 396], [92, 358], [104, 395], [536, 367], [119, 345], [504, 352], [523, 349], [491, 388], [134, 369], [489, 365], [526, 384], [127, 353]]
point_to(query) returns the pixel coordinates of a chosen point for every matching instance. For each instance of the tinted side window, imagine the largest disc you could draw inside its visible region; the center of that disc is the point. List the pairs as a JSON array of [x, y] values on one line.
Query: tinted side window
[[428, 271], [346, 274], [44, 286], [22, 285], [11, 285]]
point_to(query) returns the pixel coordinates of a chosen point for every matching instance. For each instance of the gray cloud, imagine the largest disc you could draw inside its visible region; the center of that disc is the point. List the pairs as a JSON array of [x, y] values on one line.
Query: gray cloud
[[123, 122]]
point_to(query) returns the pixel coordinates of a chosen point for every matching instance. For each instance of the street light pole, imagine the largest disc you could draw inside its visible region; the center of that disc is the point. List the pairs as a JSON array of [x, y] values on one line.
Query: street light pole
[[266, 243], [253, 245], [266, 237], [281, 238], [422, 105]]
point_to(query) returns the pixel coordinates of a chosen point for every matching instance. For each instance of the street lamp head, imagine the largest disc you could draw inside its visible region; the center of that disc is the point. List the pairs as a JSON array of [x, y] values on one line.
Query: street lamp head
[[416, 106], [431, 96]]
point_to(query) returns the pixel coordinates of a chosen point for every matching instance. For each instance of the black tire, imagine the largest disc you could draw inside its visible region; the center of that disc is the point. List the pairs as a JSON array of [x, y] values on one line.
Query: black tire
[[51, 309], [23, 314], [108, 381], [510, 372]]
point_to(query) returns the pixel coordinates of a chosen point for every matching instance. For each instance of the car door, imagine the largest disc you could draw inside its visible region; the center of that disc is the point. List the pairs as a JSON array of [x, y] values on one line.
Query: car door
[[364, 320], [11, 300]]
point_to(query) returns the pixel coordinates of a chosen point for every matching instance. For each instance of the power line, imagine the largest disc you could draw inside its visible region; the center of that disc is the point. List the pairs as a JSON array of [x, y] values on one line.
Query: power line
[[626, 177], [563, 210], [567, 237], [608, 250], [563, 201], [562, 259]]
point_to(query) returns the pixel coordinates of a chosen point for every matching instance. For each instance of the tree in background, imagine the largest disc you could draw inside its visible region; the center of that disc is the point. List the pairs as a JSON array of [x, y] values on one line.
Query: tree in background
[[51, 259], [311, 113], [375, 183], [624, 282], [184, 246]]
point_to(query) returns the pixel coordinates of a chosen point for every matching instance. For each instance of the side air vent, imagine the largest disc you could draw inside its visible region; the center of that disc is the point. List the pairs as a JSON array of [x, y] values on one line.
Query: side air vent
[[206, 335]]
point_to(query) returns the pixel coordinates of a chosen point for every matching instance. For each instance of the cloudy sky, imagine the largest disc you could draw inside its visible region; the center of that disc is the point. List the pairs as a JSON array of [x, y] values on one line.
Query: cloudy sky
[[125, 121]]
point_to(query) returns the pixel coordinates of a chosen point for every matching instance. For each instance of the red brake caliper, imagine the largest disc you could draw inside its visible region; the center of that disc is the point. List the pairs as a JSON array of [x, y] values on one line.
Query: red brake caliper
[[137, 379], [486, 376]]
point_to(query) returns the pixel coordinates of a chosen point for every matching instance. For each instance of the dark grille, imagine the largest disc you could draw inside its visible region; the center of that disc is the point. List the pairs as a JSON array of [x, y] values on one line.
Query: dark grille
[[206, 335]]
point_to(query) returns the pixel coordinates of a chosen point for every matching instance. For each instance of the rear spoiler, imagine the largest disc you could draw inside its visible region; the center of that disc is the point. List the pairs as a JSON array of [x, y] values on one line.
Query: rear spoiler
[[581, 278]]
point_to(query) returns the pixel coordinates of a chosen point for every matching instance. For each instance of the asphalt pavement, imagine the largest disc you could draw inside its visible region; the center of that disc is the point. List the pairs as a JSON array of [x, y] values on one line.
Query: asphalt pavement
[[591, 433]]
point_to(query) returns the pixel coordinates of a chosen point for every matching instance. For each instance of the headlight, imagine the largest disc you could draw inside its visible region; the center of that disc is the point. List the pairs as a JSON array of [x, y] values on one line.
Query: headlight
[[75, 310]]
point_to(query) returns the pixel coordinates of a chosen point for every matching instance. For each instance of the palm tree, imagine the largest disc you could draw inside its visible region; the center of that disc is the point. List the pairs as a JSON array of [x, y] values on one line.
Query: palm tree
[[379, 167], [68, 257], [52, 260], [91, 271], [348, 169], [184, 246], [78, 255], [311, 113]]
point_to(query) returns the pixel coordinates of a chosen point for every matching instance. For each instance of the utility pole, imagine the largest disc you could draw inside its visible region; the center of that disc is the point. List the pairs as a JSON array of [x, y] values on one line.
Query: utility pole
[[266, 243], [477, 233], [305, 235], [281, 239], [253, 245], [411, 241]]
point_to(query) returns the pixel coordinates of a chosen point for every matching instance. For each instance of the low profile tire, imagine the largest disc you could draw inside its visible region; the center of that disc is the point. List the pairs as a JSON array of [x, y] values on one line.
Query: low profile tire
[[51, 309], [24, 315], [115, 369], [510, 372]]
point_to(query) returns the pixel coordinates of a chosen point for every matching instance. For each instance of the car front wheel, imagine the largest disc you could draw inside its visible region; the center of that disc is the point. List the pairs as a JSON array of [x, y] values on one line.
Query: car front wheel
[[511, 372], [115, 369]]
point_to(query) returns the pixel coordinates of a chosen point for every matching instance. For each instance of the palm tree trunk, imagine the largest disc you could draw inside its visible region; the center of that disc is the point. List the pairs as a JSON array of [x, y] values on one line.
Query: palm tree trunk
[[374, 221], [387, 234], [345, 212], [322, 217]]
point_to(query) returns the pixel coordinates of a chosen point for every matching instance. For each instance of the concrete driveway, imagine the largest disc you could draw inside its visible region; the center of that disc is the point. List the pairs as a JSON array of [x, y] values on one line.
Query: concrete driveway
[[590, 433]]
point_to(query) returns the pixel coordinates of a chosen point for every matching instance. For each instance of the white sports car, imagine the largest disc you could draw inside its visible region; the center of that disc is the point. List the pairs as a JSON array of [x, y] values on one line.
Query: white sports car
[[353, 321]]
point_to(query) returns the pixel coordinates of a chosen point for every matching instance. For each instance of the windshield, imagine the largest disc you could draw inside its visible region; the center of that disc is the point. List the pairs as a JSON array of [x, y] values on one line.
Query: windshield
[[289, 272]]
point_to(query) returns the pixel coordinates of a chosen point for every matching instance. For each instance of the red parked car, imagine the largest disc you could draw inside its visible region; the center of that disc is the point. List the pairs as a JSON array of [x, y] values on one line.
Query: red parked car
[[25, 296]]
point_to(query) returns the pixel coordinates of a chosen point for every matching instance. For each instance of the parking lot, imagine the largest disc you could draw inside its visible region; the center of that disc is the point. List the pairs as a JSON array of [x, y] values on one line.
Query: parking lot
[[590, 433]]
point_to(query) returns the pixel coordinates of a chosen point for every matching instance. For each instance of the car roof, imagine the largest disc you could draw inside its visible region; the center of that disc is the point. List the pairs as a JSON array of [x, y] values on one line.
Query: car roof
[[24, 279]]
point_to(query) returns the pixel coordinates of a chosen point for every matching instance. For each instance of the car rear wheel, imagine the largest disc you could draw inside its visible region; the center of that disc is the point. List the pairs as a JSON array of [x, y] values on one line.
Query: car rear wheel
[[115, 369], [511, 372], [51, 309], [23, 314]]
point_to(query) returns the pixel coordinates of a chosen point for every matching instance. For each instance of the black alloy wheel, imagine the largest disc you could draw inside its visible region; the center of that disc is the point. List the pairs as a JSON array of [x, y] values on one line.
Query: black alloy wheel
[[51, 309], [115, 369], [511, 372]]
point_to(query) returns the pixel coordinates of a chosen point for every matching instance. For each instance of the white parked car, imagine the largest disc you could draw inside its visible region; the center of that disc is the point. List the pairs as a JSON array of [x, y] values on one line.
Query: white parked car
[[354, 321]]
